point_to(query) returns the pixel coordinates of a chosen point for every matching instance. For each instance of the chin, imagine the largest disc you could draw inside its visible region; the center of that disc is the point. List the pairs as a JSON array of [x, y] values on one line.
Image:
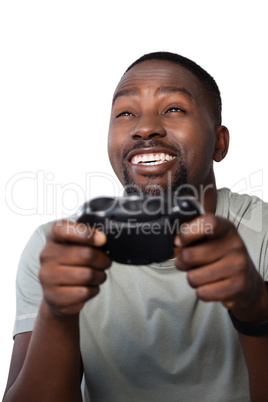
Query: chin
[[153, 190], [155, 185]]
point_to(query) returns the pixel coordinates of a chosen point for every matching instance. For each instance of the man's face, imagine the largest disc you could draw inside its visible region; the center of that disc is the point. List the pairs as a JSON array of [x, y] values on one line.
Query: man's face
[[161, 133]]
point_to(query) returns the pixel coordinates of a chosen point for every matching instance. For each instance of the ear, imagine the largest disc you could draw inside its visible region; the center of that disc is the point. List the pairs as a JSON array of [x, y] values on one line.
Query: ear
[[222, 143]]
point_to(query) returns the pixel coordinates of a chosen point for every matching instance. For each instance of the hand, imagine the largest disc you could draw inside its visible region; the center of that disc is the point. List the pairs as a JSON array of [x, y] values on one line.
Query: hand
[[219, 267], [72, 266]]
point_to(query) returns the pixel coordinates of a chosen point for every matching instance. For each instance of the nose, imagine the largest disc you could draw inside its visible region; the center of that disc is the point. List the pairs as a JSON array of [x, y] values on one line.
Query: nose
[[148, 127]]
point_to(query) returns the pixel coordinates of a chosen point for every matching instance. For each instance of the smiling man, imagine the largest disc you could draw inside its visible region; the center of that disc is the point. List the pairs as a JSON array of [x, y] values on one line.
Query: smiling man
[[161, 124], [193, 328]]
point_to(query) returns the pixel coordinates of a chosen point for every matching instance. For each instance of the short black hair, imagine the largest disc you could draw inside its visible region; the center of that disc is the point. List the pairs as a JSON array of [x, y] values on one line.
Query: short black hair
[[206, 80]]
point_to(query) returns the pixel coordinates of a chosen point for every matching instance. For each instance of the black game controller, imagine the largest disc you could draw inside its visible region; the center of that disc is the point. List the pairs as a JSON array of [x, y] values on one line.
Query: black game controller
[[140, 229]]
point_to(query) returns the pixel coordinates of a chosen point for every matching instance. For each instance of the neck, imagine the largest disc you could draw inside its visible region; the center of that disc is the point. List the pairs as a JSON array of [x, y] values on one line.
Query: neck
[[209, 197]]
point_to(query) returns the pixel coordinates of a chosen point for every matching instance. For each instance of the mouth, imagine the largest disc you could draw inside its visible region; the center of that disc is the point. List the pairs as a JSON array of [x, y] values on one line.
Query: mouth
[[150, 159], [151, 156], [154, 167]]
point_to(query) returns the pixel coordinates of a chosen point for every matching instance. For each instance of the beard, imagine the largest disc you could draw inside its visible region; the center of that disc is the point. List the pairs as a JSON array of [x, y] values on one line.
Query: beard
[[176, 183]]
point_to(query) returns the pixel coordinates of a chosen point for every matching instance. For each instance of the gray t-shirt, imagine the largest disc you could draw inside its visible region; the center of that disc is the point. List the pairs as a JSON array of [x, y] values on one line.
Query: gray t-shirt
[[146, 337]]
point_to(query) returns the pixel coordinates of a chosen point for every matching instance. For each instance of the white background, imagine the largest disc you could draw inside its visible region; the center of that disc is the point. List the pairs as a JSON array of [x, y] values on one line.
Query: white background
[[59, 64]]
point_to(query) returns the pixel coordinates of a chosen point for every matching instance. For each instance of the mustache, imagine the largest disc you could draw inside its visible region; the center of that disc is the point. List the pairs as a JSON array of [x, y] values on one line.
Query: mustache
[[151, 144]]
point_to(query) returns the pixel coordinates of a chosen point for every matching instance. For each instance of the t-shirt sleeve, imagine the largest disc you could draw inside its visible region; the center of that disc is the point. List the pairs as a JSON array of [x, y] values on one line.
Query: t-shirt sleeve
[[264, 258], [249, 214], [28, 287]]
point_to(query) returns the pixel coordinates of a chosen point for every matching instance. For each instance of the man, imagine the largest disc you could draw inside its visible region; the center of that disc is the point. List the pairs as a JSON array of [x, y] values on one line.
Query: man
[[157, 332]]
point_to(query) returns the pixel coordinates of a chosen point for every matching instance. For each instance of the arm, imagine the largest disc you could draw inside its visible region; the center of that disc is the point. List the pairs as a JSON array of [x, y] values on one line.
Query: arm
[[256, 351], [46, 364], [39, 360], [219, 268]]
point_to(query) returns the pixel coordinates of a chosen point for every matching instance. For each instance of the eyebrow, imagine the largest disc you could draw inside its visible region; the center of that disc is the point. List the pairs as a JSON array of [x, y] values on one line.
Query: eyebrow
[[126, 92], [170, 90], [159, 91]]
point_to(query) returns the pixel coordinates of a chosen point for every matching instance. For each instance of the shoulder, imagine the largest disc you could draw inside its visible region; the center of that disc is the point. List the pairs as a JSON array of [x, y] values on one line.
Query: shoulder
[[37, 239], [36, 243], [41, 232], [243, 210], [249, 214]]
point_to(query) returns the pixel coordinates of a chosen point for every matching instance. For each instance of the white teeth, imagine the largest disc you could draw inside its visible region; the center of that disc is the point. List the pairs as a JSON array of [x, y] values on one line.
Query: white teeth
[[145, 158], [151, 159]]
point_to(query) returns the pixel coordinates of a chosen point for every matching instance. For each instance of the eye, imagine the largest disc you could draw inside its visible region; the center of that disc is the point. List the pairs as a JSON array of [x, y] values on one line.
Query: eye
[[174, 109], [124, 113]]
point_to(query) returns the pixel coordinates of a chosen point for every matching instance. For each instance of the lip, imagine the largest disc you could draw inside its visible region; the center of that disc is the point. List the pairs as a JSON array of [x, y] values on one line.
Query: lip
[[149, 150]]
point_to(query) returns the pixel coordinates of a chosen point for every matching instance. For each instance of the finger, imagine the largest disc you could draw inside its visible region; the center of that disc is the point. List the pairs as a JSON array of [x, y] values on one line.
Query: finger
[[72, 276], [73, 232], [232, 265], [224, 291], [79, 255], [85, 276], [69, 296], [205, 226], [207, 252], [198, 255]]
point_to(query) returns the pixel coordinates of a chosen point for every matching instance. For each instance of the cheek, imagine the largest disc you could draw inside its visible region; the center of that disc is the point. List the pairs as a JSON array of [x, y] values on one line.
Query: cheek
[[201, 140], [115, 152], [110, 145], [111, 141], [198, 142], [200, 160]]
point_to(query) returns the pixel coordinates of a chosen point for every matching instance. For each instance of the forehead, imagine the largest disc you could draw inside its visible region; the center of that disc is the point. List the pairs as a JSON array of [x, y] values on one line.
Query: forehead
[[158, 73]]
